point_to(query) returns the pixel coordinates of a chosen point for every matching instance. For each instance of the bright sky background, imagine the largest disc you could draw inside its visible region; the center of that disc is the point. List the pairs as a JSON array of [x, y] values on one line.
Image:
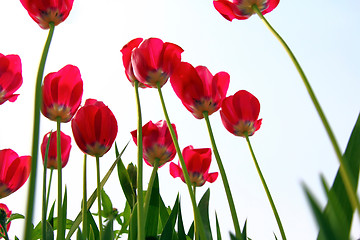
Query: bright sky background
[[291, 146]]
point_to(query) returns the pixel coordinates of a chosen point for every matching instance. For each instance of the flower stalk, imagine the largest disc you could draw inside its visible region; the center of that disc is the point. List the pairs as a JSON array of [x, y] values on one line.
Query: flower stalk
[[84, 203], [35, 140], [346, 177], [44, 199], [224, 178], [61, 230], [99, 194]]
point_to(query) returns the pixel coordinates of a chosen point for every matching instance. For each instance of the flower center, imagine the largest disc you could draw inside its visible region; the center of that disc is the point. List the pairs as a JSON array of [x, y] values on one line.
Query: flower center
[[157, 152], [96, 149], [204, 105], [48, 16], [245, 6], [61, 111], [4, 191], [196, 178], [244, 126], [156, 76]]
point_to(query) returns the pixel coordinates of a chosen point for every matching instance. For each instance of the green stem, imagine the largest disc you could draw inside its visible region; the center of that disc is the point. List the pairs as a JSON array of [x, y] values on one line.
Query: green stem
[[49, 187], [183, 166], [150, 186], [344, 169], [266, 189], [44, 206], [3, 228], [195, 225], [84, 203], [140, 207], [60, 230], [98, 194], [35, 140], [224, 178]]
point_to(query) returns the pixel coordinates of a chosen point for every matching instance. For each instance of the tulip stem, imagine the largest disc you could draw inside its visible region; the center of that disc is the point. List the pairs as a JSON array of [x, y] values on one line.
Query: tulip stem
[[35, 140], [49, 187], [197, 219], [60, 230], [98, 194], [224, 178], [140, 206], [44, 205], [84, 203], [344, 169], [150, 187], [195, 225], [266, 188]]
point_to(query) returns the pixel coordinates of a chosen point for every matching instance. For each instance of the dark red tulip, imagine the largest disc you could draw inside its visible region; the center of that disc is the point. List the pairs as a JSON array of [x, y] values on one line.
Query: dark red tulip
[[65, 141], [154, 61], [126, 57], [6, 215], [157, 143], [242, 9], [10, 77], [198, 89], [14, 171], [45, 11], [239, 113], [62, 93], [94, 127], [197, 161]]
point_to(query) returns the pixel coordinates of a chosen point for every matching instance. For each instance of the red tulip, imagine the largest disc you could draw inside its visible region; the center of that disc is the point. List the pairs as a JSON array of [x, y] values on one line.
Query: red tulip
[[126, 52], [65, 141], [10, 77], [157, 143], [62, 92], [242, 9], [197, 162], [7, 215], [45, 11], [94, 128], [198, 89], [239, 113], [14, 171], [154, 61]]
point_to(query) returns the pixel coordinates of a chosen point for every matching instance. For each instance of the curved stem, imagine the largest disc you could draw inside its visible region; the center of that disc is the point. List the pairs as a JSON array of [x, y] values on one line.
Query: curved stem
[[150, 186], [183, 166], [224, 178], [266, 189], [60, 230], [140, 207], [98, 195], [84, 203], [344, 169], [35, 140], [44, 205]]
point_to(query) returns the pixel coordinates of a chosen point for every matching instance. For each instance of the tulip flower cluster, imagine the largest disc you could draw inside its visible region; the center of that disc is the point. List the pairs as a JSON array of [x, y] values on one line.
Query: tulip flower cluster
[[148, 64]]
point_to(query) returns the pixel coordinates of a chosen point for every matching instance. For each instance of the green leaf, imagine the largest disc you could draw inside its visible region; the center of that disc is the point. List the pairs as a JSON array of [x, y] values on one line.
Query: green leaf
[[170, 224], [244, 232], [107, 205], [108, 233], [152, 218], [51, 214], [218, 233], [94, 231], [15, 216], [338, 210], [164, 214], [93, 196], [79, 235], [181, 230], [204, 213], [191, 231], [126, 214], [64, 209], [133, 224], [125, 181]]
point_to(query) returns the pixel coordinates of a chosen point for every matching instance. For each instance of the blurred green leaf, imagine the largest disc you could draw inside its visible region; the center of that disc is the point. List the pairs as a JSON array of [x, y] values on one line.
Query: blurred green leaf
[[218, 233], [191, 231], [94, 231], [79, 235], [108, 233], [64, 210], [181, 229], [152, 218], [106, 204], [51, 214], [15, 216], [170, 224], [164, 214], [204, 213], [133, 224], [338, 210], [244, 232]]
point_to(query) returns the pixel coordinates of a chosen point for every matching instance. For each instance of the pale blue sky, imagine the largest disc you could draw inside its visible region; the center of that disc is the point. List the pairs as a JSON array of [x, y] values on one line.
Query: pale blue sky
[[291, 146]]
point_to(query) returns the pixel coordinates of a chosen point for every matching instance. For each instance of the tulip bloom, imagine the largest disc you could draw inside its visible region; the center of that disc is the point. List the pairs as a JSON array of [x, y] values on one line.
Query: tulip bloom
[[52, 154], [62, 92], [94, 128], [126, 52], [239, 113], [154, 61], [242, 9], [10, 77], [14, 171], [198, 89], [4, 217], [197, 162], [45, 11], [157, 143]]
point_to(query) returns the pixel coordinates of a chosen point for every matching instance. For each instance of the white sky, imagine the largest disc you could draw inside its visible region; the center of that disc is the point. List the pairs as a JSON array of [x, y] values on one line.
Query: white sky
[[291, 146]]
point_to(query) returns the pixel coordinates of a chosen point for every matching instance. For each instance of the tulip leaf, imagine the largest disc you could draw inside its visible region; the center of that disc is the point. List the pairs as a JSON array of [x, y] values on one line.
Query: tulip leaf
[[191, 231], [170, 224], [164, 214], [64, 211], [126, 214], [181, 230], [15, 216], [94, 231], [133, 224], [152, 218], [93, 196], [339, 210], [106, 203], [108, 233], [218, 233], [244, 232], [125, 181], [204, 213], [79, 235], [51, 214]]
